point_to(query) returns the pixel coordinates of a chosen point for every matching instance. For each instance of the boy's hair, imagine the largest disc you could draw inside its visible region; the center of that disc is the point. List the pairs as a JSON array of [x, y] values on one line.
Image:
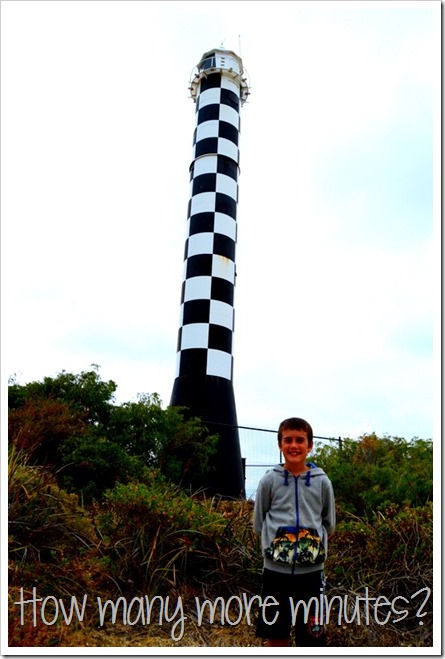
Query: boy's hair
[[294, 423]]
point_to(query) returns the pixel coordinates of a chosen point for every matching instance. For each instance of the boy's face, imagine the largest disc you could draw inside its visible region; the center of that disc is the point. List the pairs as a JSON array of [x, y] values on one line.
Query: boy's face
[[294, 446]]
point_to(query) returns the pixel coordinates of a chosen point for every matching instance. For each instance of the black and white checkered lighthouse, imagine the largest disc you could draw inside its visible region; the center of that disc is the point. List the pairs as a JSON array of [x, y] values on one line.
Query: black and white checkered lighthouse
[[204, 372]]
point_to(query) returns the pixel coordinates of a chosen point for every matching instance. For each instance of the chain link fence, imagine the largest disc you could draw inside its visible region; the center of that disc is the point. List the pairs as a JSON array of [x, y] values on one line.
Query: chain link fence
[[259, 450]]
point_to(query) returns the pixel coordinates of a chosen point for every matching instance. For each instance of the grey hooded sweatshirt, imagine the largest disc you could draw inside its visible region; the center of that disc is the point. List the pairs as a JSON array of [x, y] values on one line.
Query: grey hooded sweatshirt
[[304, 501]]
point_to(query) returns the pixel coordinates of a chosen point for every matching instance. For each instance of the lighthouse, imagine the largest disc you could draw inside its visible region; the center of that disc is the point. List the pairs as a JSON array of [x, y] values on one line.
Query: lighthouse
[[204, 366]]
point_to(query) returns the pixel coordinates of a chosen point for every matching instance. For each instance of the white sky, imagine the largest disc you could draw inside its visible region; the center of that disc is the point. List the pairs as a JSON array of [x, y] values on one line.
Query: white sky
[[337, 260]]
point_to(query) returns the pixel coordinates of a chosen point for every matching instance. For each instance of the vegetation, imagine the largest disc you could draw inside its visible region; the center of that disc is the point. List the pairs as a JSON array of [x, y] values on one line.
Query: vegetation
[[374, 473], [102, 503], [71, 425]]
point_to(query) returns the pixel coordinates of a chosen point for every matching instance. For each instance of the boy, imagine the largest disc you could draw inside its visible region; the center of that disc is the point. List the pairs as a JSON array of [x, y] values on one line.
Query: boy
[[293, 501]]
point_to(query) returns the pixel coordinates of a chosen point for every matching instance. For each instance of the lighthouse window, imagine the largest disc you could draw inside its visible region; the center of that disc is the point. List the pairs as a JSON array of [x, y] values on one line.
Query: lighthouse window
[[208, 62]]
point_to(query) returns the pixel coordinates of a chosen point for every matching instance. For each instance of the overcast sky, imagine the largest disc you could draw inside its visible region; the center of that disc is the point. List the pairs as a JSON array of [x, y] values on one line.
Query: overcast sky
[[338, 255]]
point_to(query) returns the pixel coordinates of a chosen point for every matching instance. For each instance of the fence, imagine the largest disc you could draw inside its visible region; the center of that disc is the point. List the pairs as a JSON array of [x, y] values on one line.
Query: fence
[[259, 450]]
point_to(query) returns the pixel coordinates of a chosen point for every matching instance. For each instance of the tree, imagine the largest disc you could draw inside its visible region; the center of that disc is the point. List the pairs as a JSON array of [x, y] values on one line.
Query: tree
[[85, 393], [71, 424], [180, 448], [41, 426]]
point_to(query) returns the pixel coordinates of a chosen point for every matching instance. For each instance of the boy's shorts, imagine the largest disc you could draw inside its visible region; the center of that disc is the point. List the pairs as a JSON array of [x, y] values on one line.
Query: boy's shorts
[[299, 587]]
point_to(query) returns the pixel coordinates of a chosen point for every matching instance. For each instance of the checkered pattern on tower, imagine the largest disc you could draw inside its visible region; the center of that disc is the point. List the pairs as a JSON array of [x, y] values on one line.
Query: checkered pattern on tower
[[207, 312]]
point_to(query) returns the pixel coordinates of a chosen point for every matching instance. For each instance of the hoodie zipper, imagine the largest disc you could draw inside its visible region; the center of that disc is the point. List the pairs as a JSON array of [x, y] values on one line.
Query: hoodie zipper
[[297, 519]]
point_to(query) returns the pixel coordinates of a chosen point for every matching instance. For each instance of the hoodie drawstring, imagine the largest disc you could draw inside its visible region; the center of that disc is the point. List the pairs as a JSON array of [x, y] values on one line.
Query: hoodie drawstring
[[307, 479]]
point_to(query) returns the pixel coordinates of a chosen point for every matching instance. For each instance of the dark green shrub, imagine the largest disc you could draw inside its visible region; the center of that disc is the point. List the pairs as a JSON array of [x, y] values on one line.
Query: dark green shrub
[[71, 424]]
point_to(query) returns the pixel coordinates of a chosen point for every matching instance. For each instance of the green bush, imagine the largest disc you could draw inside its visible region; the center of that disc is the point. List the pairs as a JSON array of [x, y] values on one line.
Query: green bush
[[373, 473], [70, 423], [158, 537]]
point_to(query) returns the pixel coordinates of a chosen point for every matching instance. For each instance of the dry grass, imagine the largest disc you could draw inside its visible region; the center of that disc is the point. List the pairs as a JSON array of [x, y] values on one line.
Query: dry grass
[[209, 635], [242, 635], [216, 635], [59, 547]]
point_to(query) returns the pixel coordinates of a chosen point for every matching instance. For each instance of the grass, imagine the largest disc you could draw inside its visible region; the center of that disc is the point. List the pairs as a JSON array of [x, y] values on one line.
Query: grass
[[150, 538]]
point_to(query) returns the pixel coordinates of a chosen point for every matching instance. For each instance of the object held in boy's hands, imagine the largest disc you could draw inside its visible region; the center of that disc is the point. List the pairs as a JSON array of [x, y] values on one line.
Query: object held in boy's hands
[[293, 546]]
